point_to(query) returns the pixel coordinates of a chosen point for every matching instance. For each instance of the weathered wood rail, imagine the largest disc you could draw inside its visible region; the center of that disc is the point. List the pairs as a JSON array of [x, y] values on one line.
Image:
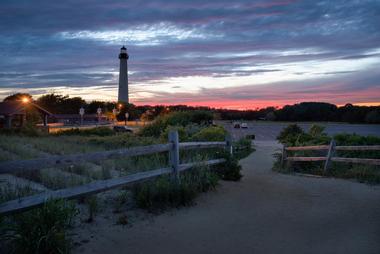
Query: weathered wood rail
[[330, 154], [173, 147]]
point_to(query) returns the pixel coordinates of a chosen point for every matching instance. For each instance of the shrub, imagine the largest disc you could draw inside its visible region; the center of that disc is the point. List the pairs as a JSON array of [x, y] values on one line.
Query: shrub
[[212, 133], [290, 134], [164, 192], [229, 170], [42, 230], [175, 119], [9, 192], [182, 135], [316, 136], [28, 130], [293, 135], [153, 129], [242, 148], [98, 131], [316, 130]]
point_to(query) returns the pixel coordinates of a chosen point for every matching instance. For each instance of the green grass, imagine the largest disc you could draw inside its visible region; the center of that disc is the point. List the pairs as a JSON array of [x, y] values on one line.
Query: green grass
[[165, 192], [42, 230], [9, 192], [154, 195], [359, 172]]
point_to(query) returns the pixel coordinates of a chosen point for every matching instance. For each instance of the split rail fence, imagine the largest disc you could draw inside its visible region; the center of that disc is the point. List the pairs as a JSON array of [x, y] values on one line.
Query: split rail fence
[[172, 147], [331, 148]]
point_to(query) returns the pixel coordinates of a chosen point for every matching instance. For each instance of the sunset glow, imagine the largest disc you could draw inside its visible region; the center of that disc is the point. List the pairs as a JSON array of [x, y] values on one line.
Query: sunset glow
[[240, 55]]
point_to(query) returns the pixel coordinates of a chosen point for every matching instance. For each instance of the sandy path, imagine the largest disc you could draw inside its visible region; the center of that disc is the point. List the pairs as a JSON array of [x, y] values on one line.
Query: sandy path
[[264, 213]]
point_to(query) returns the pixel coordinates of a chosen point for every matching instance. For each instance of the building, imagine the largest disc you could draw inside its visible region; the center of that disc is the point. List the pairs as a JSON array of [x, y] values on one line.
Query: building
[[13, 113], [123, 95]]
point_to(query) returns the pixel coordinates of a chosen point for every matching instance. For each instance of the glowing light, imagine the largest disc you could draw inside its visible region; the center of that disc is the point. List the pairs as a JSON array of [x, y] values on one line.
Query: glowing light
[[25, 99]]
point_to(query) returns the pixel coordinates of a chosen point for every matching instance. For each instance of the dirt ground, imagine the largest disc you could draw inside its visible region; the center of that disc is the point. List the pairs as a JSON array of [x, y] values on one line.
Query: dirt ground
[[266, 212]]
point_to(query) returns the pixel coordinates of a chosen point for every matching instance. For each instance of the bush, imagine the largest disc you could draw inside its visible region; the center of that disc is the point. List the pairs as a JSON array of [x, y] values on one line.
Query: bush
[[229, 170], [28, 130], [316, 136], [290, 134], [164, 192], [182, 134], [293, 135], [98, 131], [316, 130], [154, 129], [159, 125], [242, 148], [212, 133], [42, 230]]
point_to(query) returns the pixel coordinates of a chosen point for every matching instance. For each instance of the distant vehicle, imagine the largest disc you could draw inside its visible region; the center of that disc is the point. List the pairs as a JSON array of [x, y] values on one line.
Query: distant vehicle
[[122, 129], [244, 125], [251, 136], [236, 125]]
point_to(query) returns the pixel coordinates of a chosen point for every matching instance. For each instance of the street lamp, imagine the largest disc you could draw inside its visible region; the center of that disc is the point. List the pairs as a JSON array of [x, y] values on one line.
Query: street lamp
[[99, 112], [126, 118], [25, 99], [81, 113], [114, 112]]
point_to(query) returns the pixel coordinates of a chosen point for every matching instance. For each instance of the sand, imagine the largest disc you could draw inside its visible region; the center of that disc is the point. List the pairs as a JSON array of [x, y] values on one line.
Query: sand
[[266, 212]]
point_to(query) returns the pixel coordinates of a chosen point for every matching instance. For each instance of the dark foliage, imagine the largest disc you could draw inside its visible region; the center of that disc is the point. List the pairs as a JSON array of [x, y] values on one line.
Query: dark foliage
[[293, 136], [305, 111], [165, 192], [42, 230]]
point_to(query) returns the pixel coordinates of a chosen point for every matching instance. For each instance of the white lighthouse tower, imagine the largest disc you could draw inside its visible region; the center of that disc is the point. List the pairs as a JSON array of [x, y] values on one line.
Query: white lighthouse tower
[[123, 76]]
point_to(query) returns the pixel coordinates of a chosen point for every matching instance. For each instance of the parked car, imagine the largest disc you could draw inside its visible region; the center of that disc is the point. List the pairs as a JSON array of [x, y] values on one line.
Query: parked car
[[251, 136], [122, 129], [244, 125], [236, 125]]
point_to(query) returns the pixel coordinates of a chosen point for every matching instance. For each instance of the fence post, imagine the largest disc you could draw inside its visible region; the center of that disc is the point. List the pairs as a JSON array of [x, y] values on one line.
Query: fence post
[[229, 144], [283, 156], [174, 154], [329, 155]]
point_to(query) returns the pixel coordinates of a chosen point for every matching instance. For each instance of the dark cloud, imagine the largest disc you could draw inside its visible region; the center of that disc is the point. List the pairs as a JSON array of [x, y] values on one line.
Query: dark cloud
[[187, 38]]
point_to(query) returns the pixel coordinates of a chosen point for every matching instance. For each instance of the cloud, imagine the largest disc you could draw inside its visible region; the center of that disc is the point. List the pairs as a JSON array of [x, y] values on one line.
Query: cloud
[[142, 35], [193, 45]]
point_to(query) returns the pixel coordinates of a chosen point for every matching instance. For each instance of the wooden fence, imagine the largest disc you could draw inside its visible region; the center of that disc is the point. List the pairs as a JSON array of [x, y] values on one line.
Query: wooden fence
[[173, 147], [331, 148]]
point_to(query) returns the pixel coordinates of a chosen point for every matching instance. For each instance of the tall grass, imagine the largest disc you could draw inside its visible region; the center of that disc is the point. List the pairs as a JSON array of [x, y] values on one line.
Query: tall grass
[[165, 192], [294, 136], [9, 192], [42, 230]]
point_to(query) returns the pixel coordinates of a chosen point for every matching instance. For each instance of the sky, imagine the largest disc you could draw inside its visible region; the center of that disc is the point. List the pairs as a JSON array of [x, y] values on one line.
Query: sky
[[241, 54]]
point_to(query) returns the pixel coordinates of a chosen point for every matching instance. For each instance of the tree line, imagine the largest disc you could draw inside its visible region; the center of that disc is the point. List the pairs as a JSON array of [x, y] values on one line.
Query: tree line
[[305, 111]]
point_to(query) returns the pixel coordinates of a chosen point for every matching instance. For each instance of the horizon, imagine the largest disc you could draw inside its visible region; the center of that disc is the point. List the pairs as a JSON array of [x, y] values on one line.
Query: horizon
[[232, 55], [218, 108]]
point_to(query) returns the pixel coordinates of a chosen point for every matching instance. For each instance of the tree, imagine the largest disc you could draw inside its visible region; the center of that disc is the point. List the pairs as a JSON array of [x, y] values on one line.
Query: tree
[[60, 104], [373, 116], [18, 97]]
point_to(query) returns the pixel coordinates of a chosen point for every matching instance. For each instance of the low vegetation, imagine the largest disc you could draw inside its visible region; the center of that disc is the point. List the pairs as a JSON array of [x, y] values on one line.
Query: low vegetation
[[42, 230], [44, 236], [293, 135], [165, 191]]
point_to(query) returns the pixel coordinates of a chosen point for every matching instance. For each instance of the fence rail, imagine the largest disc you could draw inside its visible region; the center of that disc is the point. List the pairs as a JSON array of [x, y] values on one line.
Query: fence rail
[[173, 147], [331, 148]]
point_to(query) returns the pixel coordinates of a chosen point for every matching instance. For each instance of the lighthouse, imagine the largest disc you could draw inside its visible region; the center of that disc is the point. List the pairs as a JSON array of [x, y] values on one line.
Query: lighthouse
[[123, 76]]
